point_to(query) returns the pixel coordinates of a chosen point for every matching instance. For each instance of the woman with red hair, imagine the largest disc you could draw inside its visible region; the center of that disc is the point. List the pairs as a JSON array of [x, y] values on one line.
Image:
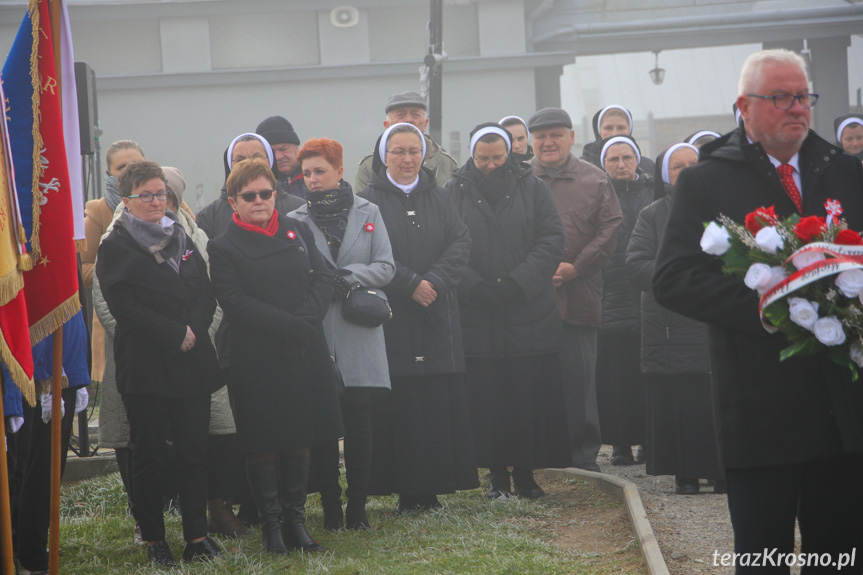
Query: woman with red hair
[[350, 233]]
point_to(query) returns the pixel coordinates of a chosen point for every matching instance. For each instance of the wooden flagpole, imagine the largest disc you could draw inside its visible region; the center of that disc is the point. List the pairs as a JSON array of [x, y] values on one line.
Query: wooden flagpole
[[54, 8]]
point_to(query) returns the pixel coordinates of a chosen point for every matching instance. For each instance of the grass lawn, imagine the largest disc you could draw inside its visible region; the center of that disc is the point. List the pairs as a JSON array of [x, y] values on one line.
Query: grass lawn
[[575, 529]]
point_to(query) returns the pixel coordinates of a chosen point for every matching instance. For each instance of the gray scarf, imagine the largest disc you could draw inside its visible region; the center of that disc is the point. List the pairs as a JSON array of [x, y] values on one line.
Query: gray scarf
[[165, 239], [112, 193]]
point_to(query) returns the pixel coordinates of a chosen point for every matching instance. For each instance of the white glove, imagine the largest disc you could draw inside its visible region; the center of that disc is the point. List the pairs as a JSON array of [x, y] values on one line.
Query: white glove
[[82, 399], [14, 423], [47, 405]]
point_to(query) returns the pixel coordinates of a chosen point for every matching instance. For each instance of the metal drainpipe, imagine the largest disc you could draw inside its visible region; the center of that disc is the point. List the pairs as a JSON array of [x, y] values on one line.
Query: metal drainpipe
[[659, 24]]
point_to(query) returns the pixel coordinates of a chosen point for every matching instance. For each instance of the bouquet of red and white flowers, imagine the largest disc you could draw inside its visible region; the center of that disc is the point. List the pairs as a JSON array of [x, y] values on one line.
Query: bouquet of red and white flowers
[[808, 273]]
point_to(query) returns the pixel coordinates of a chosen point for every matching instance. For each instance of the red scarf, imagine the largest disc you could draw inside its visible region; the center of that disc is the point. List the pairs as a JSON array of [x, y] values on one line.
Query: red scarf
[[270, 230]]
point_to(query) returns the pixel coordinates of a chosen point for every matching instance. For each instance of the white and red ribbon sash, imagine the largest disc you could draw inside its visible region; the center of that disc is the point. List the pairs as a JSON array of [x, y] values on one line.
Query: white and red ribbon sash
[[841, 258]]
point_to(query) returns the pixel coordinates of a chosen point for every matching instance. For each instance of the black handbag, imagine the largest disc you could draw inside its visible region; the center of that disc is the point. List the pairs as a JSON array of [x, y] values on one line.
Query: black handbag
[[366, 306]]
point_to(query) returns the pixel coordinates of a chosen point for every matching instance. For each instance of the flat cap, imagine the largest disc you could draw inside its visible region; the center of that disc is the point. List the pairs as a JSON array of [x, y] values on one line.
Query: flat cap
[[549, 118], [404, 99]]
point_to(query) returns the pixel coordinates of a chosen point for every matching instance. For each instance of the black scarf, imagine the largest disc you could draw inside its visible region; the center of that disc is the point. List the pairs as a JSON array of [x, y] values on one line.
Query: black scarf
[[492, 186], [329, 210]]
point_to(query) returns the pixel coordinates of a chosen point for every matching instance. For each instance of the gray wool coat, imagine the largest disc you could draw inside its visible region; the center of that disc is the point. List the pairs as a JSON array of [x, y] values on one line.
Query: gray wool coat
[[360, 351]]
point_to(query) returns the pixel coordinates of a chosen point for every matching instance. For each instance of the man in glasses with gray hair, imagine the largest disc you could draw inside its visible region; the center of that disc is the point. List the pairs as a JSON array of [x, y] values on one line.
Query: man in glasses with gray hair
[[790, 432]]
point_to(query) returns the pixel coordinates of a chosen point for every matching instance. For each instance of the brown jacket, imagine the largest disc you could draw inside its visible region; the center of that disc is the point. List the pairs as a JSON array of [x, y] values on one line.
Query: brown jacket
[[590, 214]]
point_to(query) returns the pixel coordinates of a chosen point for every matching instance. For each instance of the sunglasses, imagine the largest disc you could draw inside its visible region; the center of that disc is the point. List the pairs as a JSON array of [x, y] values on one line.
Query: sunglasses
[[249, 197]]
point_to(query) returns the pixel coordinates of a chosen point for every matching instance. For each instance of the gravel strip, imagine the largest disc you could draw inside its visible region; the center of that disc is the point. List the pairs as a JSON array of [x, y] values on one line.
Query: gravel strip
[[689, 528]]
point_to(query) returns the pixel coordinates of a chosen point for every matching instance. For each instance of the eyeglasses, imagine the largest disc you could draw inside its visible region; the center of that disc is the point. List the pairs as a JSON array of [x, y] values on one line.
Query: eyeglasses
[[786, 101], [147, 197], [484, 160], [415, 152], [249, 197]]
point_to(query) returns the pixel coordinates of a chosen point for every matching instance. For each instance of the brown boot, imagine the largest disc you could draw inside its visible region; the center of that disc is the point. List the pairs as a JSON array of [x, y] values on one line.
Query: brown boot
[[222, 520]]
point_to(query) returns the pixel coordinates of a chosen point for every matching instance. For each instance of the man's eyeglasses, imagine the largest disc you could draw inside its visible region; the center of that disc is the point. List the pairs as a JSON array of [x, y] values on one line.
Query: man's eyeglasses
[[147, 197], [786, 101], [249, 197]]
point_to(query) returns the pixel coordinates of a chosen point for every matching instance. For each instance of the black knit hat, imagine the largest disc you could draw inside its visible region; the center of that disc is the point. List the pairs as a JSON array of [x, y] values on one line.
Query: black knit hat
[[277, 130]]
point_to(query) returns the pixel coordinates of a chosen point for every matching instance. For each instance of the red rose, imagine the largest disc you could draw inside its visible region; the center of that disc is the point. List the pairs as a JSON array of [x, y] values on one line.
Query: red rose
[[848, 238], [760, 218], [809, 228]]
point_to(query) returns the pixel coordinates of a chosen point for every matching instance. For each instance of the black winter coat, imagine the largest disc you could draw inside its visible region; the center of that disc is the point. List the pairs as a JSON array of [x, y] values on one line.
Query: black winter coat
[[670, 342], [621, 307], [153, 304], [767, 412], [520, 238], [430, 242], [281, 372]]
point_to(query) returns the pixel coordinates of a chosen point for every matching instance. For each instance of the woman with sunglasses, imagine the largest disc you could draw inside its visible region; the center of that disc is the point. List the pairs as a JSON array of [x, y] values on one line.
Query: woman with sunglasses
[[156, 286], [274, 287]]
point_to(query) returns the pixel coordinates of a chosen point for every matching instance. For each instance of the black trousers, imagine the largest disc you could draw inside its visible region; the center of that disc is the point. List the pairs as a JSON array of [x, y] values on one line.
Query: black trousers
[[223, 466], [154, 422], [825, 498], [32, 513], [357, 418]]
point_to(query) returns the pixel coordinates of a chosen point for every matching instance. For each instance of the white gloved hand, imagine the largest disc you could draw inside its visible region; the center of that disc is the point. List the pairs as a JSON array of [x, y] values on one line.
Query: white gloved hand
[[82, 399], [14, 423], [47, 405]]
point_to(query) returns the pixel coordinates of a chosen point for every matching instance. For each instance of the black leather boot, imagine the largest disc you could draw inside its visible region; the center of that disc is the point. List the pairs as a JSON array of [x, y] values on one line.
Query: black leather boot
[[525, 485], [294, 474], [498, 483], [264, 483]]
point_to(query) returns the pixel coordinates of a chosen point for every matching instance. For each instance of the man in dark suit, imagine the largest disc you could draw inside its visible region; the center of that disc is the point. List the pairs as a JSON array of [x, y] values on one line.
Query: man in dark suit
[[791, 432]]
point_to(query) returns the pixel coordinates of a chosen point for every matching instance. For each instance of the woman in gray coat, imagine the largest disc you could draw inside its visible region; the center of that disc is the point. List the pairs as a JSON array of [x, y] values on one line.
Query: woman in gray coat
[[351, 235]]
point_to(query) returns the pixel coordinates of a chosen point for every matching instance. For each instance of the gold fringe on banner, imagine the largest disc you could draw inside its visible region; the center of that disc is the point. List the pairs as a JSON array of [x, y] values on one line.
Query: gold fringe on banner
[[55, 320], [21, 380], [25, 263], [10, 285], [81, 245], [43, 386], [36, 81]]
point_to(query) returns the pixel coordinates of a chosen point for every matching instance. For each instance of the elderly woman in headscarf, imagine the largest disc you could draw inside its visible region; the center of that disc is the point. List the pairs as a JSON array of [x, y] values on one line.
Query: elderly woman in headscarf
[[157, 289], [215, 217], [521, 151], [674, 352], [619, 390], [352, 237], [512, 325], [421, 431], [608, 122], [849, 134], [275, 289]]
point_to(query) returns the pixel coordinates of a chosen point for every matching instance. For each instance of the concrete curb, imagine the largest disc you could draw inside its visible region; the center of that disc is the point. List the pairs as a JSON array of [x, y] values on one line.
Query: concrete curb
[[627, 494], [82, 468]]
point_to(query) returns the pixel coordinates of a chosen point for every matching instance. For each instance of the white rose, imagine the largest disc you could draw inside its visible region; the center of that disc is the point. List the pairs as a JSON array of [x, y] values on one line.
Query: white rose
[[715, 240], [856, 353], [805, 259], [803, 312], [777, 274], [828, 330], [850, 282], [769, 240], [758, 276]]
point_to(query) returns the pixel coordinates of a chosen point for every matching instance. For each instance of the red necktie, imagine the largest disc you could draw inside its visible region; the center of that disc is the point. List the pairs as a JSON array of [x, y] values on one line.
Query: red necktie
[[787, 179]]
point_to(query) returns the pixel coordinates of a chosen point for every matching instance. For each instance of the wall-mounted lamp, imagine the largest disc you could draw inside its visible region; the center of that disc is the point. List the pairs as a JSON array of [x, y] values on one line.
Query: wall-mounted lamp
[[657, 75]]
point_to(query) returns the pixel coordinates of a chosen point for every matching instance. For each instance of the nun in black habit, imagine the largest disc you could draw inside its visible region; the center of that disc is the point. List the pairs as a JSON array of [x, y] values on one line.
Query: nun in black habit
[[421, 434], [511, 321]]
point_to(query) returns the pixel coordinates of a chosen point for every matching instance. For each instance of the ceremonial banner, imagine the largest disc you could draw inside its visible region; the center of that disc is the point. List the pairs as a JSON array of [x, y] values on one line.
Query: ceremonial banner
[[14, 327], [41, 174], [71, 127]]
